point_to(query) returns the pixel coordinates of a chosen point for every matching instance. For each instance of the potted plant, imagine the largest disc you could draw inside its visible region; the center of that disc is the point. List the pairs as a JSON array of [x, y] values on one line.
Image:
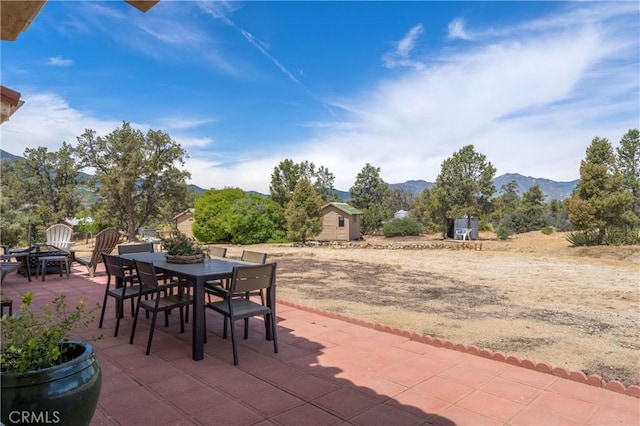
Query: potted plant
[[47, 378], [182, 249]]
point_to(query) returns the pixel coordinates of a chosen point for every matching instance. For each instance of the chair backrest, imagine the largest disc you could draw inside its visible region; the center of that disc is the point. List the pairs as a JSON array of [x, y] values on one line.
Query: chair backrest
[[135, 248], [106, 241], [217, 251], [59, 235], [253, 257], [252, 278], [113, 265], [146, 274]]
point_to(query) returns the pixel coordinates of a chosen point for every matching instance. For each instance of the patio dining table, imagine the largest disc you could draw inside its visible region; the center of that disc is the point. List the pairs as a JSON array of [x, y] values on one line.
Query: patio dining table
[[196, 274]]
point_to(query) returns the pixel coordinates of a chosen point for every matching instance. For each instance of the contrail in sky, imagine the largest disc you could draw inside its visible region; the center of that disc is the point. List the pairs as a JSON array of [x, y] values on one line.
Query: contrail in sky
[[214, 11]]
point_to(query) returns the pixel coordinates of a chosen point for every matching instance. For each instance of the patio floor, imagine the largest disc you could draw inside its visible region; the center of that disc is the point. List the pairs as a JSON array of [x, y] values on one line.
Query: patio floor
[[328, 371]]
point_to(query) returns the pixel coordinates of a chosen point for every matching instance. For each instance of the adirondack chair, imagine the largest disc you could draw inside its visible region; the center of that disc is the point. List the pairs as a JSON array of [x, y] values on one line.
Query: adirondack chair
[[59, 235], [106, 241]]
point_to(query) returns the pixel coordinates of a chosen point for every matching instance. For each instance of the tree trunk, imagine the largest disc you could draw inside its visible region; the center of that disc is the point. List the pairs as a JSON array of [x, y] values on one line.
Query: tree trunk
[[131, 230]]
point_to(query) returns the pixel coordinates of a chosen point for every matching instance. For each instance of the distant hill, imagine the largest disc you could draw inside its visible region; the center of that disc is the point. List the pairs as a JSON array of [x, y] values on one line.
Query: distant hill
[[4, 155], [415, 187], [553, 190]]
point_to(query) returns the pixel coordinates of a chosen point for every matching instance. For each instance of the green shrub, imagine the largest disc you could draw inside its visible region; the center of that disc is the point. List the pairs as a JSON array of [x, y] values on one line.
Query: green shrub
[[504, 232], [279, 237], [614, 236], [547, 230], [402, 227], [621, 236], [583, 238], [485, 226], [31, 340]]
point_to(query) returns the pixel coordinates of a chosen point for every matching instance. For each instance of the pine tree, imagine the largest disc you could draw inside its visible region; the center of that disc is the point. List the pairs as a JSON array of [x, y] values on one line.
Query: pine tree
[[629, 165], [303, 213], [370, 193], [464, 186], [599, 203]]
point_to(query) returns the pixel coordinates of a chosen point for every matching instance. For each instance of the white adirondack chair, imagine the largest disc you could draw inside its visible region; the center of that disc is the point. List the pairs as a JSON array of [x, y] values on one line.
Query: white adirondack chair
[[59, 235]]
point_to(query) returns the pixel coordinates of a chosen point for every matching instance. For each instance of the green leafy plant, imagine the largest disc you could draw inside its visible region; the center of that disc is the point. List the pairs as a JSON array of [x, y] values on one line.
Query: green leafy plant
[[583, 238], [181, 245], [548, 230], [32, 341], [402, 227], [504, 231]]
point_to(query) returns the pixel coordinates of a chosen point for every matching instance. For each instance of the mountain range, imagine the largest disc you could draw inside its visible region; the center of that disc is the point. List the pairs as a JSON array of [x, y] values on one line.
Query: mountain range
[[553, 190]]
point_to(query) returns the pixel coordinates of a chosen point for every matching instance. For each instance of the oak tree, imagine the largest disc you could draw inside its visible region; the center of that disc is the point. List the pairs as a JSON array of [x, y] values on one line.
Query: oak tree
[[135, 174], [288, 174]]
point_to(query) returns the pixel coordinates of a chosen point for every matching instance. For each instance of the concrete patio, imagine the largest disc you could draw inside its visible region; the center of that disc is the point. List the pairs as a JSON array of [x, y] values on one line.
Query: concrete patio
[[328, 371]]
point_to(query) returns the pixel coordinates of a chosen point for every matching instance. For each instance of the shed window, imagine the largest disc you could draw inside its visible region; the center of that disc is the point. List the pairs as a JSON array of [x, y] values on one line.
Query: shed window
[[341, 221]]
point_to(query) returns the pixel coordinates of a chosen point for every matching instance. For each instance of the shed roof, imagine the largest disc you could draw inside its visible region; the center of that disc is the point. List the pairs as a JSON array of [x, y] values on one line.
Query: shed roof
[[189, 210], [344, 207]]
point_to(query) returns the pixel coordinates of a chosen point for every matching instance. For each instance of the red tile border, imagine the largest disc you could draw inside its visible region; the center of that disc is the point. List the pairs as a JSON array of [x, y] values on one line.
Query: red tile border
[[576, 376]]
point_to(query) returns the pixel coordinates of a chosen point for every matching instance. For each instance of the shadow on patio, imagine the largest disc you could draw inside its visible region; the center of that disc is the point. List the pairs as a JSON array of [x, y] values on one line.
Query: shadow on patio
[[327, 372]]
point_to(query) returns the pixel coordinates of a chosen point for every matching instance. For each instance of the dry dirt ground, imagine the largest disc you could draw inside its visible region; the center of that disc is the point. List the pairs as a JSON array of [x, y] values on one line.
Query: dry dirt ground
[[534, 296]]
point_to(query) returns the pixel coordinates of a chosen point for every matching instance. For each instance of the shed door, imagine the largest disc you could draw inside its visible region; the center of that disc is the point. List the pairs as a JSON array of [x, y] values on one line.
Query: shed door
[[341, 231]]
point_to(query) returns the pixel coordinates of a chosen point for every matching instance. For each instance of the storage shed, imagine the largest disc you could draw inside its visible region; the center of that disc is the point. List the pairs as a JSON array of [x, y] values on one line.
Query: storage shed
[[184, 221], [401, 214], [340, 222], [457, 226]]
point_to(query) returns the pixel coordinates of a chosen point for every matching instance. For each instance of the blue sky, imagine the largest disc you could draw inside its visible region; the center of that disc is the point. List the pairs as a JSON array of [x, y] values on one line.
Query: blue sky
[[400, 85]]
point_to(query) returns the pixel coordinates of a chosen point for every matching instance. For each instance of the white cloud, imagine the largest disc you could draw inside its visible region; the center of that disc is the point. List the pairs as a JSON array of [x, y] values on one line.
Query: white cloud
[[457, 30], [406, 45], [531, 104], [46, 119], [530, 97], [184, 122], [59, 61], [400, 56]]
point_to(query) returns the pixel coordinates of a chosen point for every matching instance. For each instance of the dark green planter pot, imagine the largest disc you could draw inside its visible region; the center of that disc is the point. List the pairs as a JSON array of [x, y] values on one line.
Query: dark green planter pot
[[66, 394]]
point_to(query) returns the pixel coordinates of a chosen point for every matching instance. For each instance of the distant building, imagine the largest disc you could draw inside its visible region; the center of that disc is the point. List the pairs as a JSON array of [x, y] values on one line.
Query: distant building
[[184, 221], [459, 227], [401, 214], [340, 222]]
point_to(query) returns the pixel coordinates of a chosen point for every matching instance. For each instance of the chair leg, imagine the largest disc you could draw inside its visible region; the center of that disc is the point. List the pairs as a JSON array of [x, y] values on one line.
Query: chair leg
[[246, 328], [233, 341], [115, 333], [273, 332], [135, 322], [182, 319], [153, 327], [224, 328], [104, 306]]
